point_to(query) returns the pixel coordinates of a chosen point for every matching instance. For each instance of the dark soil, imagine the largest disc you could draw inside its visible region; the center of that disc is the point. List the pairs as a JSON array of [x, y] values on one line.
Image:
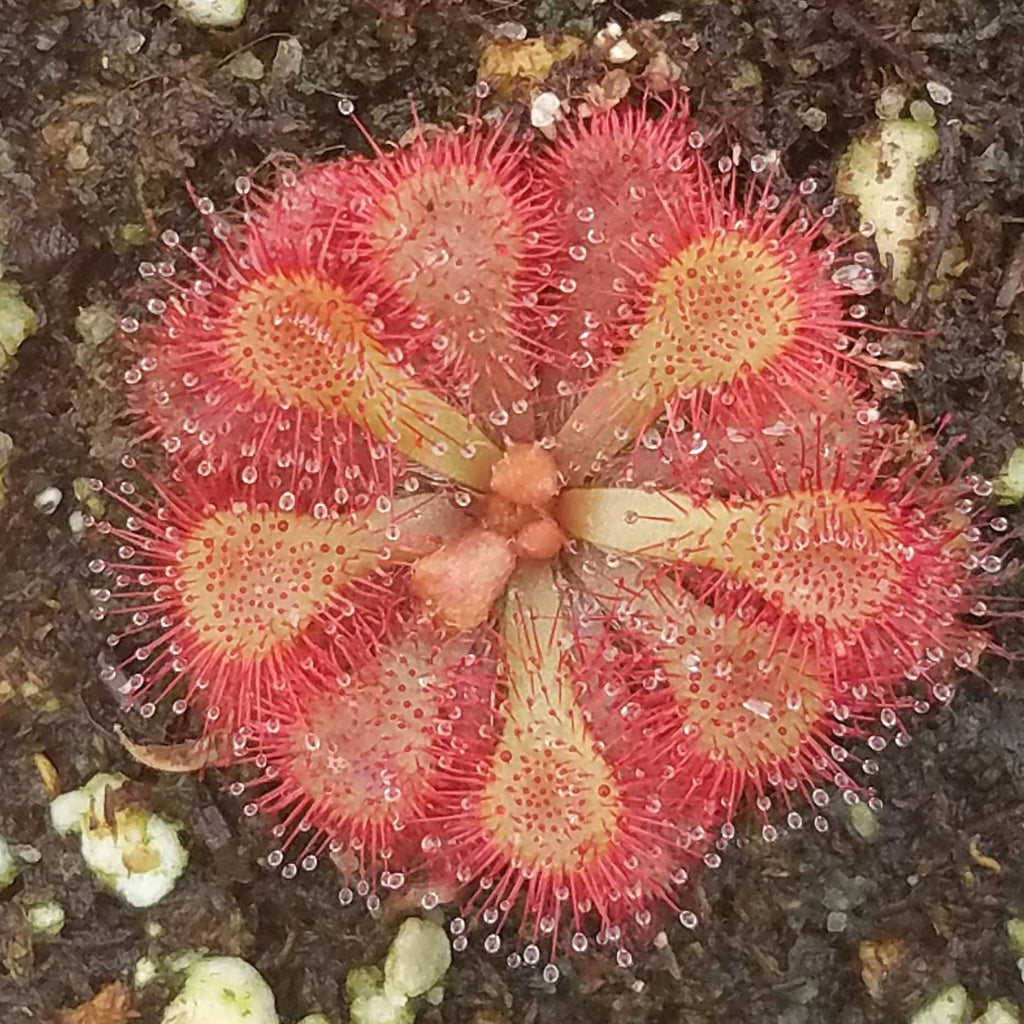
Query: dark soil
[[108, 106]]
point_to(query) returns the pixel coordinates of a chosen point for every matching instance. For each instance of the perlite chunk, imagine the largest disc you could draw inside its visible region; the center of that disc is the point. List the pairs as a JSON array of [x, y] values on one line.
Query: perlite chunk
[[136, 855], [8, 865], [416, 963], [222, 990], [18, 321], [1009, 485], [418, 958], [370, 1004], [212, 13], [45, 919], [1000, 1011], [878, 173], [948, 1007]]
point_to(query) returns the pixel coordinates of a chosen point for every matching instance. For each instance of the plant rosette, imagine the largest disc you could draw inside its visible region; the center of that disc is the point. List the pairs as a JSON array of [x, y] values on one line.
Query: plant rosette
[[528, 513]]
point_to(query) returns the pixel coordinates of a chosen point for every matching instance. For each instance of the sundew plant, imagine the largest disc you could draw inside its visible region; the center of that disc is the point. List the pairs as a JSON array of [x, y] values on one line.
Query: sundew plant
[[527, 520]]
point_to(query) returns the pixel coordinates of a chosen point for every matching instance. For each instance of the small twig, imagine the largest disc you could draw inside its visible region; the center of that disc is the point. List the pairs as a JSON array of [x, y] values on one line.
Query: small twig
[[1013, 277], [940, 238], [944, 225], [896, 365], [249, 45], [212, 751], [847, 23]]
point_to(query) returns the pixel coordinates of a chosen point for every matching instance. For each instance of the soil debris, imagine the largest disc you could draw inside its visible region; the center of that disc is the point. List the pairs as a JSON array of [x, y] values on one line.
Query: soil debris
[[109, 108]]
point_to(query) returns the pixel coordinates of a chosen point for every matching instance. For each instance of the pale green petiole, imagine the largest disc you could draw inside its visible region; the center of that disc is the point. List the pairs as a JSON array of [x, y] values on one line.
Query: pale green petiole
[[821, 555]]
